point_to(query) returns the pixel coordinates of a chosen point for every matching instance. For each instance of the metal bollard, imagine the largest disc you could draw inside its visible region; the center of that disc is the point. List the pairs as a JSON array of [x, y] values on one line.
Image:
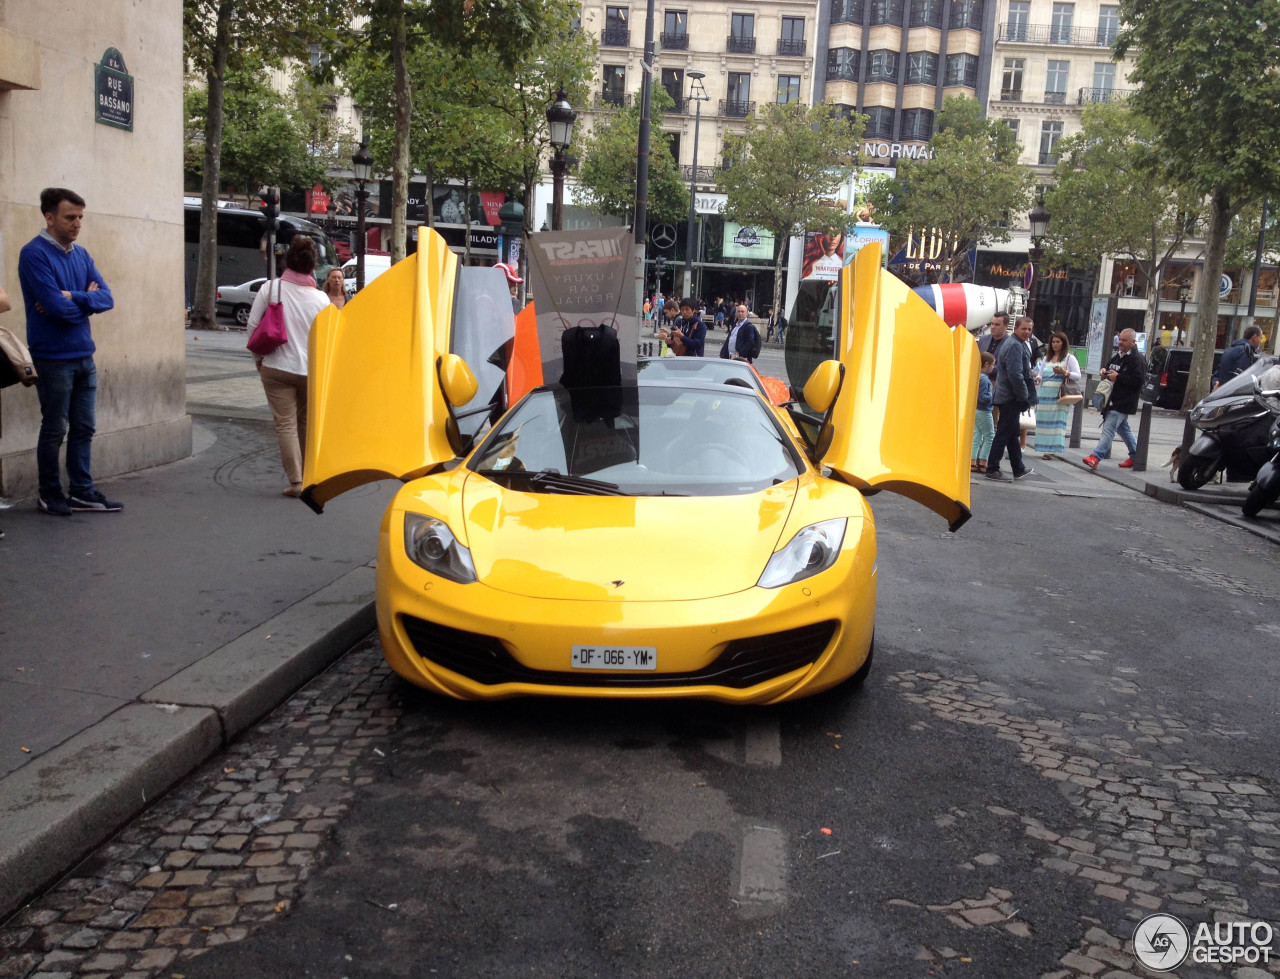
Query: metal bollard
[[1077, 416], [1144, 436]]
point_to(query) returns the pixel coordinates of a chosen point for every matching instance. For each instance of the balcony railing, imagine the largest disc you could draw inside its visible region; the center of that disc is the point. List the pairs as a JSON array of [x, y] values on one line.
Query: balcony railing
[[736, 108], [679, 108], [791, 49], [842, 73], [706, 175], [613, 100], [615, 37], [737, 44], [1049, 159], [675, 41], [1091, 37], [1010, 95], [1088, 95], [1055, 98]]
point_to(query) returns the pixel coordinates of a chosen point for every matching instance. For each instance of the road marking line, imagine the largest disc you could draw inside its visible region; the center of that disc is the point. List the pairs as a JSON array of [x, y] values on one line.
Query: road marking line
[[762, 744], [762, 871]]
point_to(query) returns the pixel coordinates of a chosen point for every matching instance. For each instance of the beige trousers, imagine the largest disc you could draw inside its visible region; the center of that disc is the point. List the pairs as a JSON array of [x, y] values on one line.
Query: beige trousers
[[287, 396]]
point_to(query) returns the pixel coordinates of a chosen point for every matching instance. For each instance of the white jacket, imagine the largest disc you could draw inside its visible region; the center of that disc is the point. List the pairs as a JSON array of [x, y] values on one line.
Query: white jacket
[[301, 304]]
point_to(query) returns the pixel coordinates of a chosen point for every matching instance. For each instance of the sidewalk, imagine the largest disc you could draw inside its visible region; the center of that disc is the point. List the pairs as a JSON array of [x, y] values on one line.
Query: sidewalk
[[134, 645]]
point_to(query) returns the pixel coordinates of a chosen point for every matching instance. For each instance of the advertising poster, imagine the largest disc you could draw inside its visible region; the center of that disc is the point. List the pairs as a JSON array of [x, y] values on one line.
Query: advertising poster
[[751, 243], [1097, 334], [823, 255], [584, 278]]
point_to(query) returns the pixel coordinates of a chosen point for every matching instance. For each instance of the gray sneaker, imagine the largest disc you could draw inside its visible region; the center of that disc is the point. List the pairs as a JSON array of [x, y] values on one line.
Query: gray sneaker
[[55, 505], [93, 502], [1026, 472], [998, 475]]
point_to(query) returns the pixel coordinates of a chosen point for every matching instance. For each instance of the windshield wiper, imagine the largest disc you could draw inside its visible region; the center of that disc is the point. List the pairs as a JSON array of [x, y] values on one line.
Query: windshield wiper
[[557, 482]]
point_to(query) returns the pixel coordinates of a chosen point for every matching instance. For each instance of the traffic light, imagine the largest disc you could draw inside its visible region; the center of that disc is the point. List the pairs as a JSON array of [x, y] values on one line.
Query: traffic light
[[659, 264], [270, 208]]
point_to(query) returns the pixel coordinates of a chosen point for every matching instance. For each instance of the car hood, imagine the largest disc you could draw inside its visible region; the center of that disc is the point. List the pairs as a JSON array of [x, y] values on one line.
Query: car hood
[[614, 548]]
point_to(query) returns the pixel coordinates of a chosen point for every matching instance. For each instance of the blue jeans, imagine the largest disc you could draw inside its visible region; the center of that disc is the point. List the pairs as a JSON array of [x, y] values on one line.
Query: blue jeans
[[68, 391], [1116, 422]]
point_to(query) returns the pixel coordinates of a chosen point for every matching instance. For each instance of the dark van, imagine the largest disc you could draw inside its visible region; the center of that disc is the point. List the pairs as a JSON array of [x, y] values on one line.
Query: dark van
[[1167, 371]]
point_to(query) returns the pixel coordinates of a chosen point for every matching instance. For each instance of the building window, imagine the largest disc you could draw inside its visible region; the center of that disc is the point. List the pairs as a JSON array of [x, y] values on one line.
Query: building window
[[922, 68], [886, 12], [575, 22], [1019, 19], [617, 32], [742, 37], [673, 82], [1104, 76], [675, 30], [1108, 24], [673, 143], [614, 89], [962, 69], [917, 124], [1050, 133], [1012, 124], [738, 102], [926, 13], [879, 121], [882, 66], [1011, 80], [1060, 23], [788, 89], [1055, 83], [791, 43], [847, 11], [966, 14], [842, 64]]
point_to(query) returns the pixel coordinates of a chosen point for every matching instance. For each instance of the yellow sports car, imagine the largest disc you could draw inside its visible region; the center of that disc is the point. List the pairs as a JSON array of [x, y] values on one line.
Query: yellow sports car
[[669, 538]]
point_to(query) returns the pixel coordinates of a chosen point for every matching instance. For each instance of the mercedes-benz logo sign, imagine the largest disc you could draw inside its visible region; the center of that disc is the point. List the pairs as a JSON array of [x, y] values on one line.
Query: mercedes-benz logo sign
[[663, 236], [1161, 942]]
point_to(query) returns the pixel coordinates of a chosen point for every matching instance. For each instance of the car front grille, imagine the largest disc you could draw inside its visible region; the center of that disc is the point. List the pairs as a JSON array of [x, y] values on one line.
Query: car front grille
[[743, 663]]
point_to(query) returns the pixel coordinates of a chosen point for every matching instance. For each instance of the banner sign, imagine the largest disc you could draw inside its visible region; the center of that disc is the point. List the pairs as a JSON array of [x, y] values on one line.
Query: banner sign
[[823, 255], [584, 278], [742, 242]]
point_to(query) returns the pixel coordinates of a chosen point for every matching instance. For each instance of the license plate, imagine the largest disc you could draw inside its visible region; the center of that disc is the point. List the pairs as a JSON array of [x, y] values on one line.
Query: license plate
[[614, 658]]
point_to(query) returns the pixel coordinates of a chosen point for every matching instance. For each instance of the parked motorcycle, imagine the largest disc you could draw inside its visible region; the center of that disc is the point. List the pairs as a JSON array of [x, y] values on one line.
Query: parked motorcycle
[[1265, 488], [1236, 430]]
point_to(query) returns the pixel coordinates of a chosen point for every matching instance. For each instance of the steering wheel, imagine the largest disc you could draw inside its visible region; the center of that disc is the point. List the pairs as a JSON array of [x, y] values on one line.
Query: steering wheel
[[694, 455]]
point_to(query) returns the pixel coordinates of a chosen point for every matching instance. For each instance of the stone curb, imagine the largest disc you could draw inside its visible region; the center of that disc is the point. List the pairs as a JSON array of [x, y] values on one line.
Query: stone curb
[[73, 798]]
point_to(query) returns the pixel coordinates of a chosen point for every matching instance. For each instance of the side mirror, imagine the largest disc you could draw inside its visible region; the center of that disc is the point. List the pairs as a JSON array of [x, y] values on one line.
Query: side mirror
[[457, 382], [823, 386]]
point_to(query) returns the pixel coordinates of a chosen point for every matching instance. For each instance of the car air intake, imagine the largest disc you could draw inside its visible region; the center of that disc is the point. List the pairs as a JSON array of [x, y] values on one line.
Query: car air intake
[[742, 663]]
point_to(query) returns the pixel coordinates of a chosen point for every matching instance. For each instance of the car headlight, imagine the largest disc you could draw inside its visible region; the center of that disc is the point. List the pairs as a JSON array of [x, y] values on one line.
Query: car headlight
[[430, 544], [813, 549]]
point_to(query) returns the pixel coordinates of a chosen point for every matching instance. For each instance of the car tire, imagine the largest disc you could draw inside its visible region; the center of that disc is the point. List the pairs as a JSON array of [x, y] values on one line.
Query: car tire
[[1196, 470], [860, 675], [241, 314], [1258, 499]]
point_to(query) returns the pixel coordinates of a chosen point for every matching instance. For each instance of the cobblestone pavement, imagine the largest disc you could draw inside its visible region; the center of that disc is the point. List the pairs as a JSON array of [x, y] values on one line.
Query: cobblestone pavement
[[228, 850]]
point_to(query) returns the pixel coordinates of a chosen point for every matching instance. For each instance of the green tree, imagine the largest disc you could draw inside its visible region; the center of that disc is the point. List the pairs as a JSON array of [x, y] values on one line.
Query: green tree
[[967, 190], [1210, 77], [607, 173], [784, 167], [1109, 197]]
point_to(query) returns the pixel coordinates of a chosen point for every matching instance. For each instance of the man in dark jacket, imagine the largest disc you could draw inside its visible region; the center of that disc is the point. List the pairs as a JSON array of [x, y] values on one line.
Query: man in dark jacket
[[1126, 372], [1015, 387], [691, 329], [740, 344], [1239, 356]]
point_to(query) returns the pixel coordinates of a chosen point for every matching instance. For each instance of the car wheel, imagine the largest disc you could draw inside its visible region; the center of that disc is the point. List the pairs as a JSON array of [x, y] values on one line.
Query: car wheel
[[1196, 470], [241, 313], [860, 675], [1257, 499]]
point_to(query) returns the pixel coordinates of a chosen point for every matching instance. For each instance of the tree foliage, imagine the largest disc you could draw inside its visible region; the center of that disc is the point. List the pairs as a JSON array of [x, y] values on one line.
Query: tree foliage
[[1110, 197], [784, 167], [1210, 77], [967, 191]]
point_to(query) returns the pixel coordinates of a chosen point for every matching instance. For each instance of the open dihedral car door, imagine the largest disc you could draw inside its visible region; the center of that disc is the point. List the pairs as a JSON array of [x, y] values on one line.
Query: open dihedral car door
[[375, 406], [903, 420]]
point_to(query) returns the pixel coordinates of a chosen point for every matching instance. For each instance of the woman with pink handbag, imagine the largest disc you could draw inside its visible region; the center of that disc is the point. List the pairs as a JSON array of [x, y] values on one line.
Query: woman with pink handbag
[[285, 308]]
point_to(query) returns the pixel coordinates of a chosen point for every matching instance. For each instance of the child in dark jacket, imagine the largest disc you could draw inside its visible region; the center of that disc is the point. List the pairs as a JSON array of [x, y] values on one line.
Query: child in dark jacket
[[984, 429]]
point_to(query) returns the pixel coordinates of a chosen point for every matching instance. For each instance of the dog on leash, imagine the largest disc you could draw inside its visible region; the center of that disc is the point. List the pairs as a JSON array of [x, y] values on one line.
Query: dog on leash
[[1175, 463]]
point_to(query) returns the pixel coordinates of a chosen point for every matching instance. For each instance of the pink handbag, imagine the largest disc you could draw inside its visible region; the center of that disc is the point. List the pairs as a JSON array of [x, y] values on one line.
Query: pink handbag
[[270, 332]]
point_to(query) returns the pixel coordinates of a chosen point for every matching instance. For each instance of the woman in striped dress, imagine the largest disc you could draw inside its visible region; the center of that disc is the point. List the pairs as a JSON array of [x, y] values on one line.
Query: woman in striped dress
[[1057, 364]]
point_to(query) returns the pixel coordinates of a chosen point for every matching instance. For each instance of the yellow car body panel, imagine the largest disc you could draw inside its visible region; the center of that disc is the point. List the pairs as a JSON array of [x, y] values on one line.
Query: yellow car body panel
[[375, 405], [903, 420], [688, 633]]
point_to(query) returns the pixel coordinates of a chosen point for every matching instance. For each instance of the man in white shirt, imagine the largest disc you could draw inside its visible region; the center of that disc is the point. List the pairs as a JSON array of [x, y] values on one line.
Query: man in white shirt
[[741, 342]]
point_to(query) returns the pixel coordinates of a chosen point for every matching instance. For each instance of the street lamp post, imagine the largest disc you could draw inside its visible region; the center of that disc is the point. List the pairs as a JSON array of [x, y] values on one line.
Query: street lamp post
[[698, 94], [362, 165], [1039, 219], [1185, 293], [560, 117]]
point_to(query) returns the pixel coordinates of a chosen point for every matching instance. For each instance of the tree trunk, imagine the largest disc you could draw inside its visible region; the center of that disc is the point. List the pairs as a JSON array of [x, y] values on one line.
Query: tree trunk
[[466, 204], [202, 303], [1221, 212], [784, 246], [429, 198], [400, 162], [1150, 319]]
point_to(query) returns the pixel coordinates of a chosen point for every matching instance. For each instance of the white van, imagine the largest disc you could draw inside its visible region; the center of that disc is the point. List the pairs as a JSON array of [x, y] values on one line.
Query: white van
[[374, 266]]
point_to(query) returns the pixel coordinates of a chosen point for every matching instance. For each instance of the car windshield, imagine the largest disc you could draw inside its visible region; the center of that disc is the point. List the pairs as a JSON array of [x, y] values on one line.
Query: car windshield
[[699, 369], [654, 440]]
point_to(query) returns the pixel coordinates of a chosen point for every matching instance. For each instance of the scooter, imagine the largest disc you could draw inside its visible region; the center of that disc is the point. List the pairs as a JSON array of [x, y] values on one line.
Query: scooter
[[1236, 428], [1265, 488]]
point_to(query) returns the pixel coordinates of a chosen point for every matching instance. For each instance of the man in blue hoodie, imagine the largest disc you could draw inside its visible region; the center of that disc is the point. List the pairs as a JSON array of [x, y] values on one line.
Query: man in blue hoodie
[[61, 289]]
